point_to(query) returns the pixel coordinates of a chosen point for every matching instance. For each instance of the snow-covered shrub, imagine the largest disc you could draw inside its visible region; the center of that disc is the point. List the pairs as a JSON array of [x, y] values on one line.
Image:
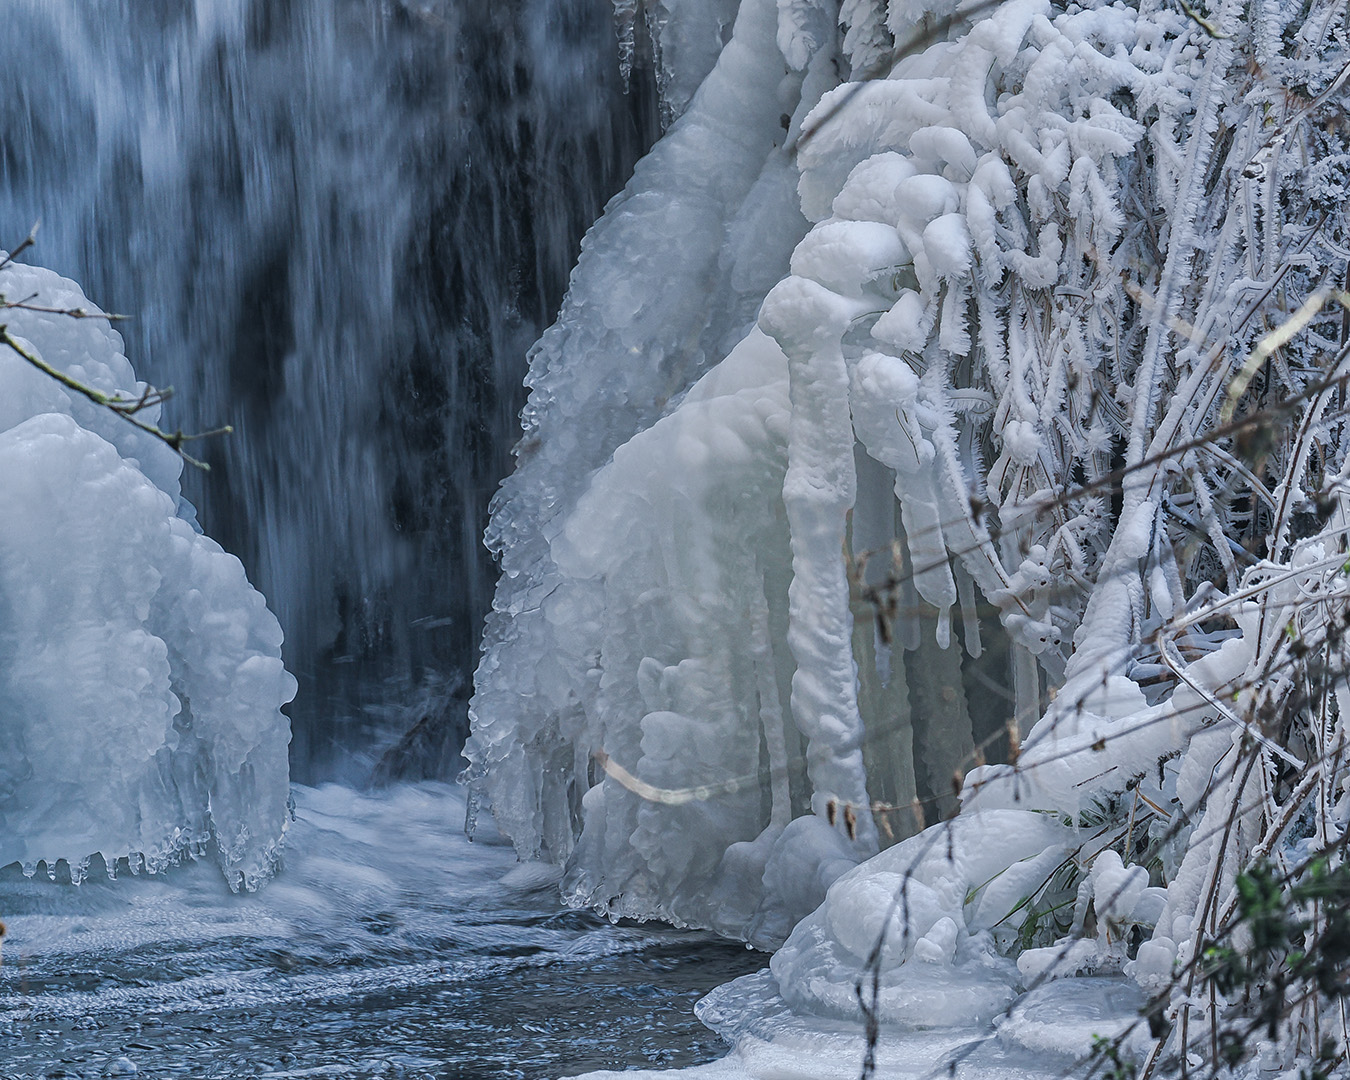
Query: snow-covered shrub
[[1166, 175], [1120, 240], [1061, 340], [140, 674]]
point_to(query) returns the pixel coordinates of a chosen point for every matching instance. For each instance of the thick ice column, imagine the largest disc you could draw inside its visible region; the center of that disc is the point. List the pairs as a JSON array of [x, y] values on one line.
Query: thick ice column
[[808, 321], [888, 747], [943, 740], [883, 685]]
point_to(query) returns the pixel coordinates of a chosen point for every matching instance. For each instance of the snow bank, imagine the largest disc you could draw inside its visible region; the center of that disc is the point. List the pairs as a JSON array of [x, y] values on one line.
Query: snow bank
[[140, 675]]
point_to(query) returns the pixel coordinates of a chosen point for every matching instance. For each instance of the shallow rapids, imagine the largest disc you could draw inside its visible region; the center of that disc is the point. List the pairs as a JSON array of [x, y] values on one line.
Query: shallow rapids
[[388, 946]]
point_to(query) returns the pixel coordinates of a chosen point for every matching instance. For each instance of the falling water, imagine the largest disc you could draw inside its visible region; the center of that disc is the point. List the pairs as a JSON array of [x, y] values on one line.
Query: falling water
[[337, 225]]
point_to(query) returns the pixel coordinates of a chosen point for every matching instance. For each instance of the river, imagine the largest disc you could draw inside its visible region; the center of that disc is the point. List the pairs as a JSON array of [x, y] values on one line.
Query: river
[[387, 946]]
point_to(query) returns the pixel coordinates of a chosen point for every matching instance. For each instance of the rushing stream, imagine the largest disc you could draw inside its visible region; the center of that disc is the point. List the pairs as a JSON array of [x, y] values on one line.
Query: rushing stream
[[389, 946]]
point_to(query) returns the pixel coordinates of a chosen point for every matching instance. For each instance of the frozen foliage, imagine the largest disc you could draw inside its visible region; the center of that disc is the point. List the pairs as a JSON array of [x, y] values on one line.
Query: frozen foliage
[[1060, 343], [140, 674]]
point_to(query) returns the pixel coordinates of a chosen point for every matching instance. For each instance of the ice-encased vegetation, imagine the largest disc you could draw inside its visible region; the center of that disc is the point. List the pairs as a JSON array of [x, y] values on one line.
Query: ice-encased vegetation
[[141, 678], [1056, 342]]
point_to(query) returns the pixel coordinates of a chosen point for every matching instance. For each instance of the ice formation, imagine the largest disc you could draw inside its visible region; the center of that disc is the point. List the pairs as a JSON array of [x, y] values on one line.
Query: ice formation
[[1064, 263], [685, 39], [626, 344], [140, 674]]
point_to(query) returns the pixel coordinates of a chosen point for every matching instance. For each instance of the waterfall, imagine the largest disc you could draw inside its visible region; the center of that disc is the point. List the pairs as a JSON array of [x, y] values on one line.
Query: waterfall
[[338, 227]]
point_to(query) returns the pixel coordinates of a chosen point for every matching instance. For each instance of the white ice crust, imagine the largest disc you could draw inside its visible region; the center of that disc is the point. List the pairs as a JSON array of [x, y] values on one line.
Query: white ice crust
[[140, 674]]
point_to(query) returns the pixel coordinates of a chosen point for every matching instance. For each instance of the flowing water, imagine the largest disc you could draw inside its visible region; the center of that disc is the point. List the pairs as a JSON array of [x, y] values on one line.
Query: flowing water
[[337, 225], [389, 946]]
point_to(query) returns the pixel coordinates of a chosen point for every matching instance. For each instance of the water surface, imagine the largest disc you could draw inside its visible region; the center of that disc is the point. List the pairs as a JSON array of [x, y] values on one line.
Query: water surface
[[388, 946]]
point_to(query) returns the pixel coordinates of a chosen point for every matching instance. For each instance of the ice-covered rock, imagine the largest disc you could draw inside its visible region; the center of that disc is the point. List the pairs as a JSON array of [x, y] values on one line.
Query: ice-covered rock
[[140, 674]]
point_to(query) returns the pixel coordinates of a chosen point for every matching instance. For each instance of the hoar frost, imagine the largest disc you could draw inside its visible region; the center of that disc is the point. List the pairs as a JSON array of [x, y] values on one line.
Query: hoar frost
[[140, 674], [984, 427]]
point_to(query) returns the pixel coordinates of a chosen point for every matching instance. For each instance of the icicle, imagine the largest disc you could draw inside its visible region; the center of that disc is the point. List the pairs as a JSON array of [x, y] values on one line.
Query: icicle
[[625, 24], [970, 620], [808, 321]]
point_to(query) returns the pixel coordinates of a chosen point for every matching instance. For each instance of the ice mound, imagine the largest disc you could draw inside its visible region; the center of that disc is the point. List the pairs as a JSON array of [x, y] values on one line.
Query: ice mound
[[1066, 1016], [140, 674], [926, 912]]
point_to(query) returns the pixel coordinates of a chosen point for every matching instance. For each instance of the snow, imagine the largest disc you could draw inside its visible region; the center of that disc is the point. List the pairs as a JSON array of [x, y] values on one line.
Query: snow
[[946, 245], [845, 256], [872, 190], [142, 679]]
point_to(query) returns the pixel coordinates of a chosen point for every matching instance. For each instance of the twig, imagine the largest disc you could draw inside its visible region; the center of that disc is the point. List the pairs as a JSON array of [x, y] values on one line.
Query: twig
[[126, 408]]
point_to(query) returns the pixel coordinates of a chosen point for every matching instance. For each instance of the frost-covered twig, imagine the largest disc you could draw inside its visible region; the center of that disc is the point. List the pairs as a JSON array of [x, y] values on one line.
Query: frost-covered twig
[[126, 408]]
